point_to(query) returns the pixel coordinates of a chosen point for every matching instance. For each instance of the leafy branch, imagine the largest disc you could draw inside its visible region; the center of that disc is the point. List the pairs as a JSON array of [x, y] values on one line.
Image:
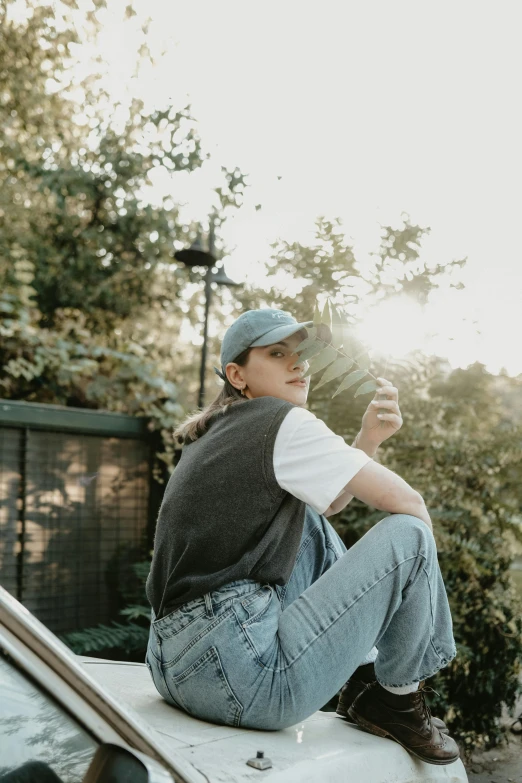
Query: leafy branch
[[325, 353]]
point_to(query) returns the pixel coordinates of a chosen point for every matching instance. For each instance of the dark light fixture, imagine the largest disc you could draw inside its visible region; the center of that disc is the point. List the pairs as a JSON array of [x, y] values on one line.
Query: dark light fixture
[[198, 255]]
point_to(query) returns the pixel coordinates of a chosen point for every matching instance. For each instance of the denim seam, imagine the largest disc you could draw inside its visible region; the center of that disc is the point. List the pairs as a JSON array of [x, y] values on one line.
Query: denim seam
[[283, 668], [260, 614], [431, 601], [281, 591], [252, 597], [302, 549], [438, 652], [196, 639], [239, 707], [166, 634], [250, 643], [178, 698], [336, 554], [165, 683], [194, 667], [282, 594], [443, 662], [304, 546], [443, 659]]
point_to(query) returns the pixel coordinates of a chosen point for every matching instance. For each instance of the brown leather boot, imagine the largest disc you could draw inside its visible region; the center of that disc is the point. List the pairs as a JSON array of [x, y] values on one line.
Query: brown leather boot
[[362, 677], [405, 719]]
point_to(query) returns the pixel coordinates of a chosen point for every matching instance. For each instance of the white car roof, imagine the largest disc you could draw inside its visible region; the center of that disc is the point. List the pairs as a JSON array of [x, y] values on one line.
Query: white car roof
[[322, 748]]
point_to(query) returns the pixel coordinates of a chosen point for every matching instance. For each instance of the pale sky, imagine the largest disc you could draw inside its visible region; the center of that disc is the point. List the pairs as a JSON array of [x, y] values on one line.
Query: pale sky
[[365, 111]]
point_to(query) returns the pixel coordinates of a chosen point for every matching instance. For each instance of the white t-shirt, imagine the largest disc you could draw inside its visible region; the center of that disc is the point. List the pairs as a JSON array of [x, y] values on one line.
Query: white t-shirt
[[312, 462]]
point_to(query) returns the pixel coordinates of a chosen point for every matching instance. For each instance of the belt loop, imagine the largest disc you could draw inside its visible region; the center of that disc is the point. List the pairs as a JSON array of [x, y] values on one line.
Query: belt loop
[[208, 605]]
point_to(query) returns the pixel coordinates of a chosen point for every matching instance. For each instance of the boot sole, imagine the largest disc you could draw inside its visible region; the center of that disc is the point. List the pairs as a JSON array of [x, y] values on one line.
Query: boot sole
[[372, 729], [342, 711]]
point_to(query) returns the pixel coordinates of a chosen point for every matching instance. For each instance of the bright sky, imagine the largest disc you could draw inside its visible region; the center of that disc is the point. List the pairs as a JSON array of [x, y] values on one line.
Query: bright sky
[[364, 110]]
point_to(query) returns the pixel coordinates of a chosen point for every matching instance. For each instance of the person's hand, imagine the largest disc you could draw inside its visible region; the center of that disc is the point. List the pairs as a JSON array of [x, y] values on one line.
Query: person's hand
[[383, 416]]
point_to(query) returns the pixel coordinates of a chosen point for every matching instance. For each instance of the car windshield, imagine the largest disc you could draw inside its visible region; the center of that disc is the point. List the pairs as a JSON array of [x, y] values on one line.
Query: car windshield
[[34, 728]]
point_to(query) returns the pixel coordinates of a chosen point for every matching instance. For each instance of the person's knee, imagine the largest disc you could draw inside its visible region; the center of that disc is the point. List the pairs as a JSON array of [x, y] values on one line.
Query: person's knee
[[408, 526]]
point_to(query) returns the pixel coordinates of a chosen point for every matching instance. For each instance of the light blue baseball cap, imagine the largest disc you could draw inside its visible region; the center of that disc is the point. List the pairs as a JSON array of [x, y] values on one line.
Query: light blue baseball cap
[[256, 328]]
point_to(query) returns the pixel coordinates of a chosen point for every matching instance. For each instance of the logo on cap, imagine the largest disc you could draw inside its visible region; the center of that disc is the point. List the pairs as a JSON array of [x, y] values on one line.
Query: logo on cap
[[280, 315]]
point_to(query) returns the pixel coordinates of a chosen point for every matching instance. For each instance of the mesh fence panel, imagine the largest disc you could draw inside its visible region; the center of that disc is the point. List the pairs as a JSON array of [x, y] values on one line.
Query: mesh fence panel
[[10, 503], [85, 510]]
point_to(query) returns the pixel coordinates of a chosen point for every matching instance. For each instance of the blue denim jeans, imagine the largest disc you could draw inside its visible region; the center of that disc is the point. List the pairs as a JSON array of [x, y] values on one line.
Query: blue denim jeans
[[266, 657]]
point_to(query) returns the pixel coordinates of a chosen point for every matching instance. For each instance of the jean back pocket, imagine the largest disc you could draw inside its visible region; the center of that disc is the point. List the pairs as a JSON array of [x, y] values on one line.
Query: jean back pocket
[[204, 691], [258, 616]]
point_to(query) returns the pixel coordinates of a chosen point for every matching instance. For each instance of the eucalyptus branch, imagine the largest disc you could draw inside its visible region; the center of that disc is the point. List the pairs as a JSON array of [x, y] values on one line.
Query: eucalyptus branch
[[341, 353], [326, 354]]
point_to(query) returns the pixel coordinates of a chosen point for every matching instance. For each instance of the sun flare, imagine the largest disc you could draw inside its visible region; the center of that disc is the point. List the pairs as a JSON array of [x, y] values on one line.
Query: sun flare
[[396, 327]]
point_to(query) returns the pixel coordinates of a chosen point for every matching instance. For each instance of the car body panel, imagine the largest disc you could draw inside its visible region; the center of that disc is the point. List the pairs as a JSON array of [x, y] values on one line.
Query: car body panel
[[324, 747], [114, 699], [40, 654]]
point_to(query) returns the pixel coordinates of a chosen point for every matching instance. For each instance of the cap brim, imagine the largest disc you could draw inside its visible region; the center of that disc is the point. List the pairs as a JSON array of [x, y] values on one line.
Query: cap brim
[[282, 332]]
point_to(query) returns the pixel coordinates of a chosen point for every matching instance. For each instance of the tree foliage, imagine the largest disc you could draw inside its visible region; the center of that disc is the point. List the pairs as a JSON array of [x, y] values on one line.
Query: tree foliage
[[92, 302], [90, 292], [460, 446]]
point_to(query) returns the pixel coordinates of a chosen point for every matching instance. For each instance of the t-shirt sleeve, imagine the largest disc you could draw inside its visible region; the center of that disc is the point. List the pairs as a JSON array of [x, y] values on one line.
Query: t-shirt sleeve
[[312, 462]]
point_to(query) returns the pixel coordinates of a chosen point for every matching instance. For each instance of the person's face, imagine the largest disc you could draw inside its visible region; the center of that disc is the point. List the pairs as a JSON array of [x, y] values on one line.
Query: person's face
[[270, 369]]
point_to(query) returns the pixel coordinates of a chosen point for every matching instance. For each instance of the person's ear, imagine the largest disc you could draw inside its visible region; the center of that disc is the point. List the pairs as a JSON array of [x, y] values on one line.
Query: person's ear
[[233, 374]]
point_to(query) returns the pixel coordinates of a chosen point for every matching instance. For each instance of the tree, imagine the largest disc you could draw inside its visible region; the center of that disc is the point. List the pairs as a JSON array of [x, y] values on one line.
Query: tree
[[89, 283]]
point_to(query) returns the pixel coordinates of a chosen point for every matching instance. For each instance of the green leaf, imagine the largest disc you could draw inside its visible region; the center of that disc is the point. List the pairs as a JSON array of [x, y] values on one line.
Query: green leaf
[[363, 360], [321, 360], [352, 345], [327, 316], [338, 330], [337, 335], [336, 317], [350, 379], [311, 351], [317, 314], [305, 344], [366, 388], [339, 367]]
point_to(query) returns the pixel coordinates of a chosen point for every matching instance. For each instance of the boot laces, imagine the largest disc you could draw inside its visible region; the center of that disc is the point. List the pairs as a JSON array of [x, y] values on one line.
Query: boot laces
[[421, 701]]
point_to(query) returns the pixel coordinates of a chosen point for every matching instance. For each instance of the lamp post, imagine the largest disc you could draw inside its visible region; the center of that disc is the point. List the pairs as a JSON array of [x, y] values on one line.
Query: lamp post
[[196, 255]]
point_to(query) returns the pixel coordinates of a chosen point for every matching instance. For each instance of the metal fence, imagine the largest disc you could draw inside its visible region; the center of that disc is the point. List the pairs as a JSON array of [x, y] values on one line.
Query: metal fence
[[77, 504]]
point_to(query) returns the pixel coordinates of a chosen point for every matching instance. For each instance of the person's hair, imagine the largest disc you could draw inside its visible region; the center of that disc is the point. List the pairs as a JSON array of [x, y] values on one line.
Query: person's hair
[[196, 424]]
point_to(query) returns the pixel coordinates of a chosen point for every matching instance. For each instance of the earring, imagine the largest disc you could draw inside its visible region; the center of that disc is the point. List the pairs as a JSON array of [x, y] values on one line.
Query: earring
[[243, 392]]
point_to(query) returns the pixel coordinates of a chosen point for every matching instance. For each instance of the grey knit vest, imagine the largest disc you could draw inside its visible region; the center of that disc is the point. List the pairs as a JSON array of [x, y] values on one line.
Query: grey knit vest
[[224, 516]]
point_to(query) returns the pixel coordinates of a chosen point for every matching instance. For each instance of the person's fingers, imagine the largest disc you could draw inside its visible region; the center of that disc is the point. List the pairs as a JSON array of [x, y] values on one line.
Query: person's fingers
[[391, 404], [392, 418], [390, 391]]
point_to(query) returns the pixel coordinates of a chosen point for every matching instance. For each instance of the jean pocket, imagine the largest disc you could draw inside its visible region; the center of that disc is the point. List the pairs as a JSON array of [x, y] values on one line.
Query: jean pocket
[[258, 616], [257, 603], [204, 690], [180, 619]]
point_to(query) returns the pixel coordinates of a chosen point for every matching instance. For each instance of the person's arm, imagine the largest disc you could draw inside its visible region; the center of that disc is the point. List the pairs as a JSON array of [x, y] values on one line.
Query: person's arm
[[381, 488], [344, 498], [382, 419]]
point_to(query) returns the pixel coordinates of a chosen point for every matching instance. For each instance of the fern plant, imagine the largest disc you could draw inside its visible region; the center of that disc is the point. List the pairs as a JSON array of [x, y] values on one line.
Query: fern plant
[[128, 638]]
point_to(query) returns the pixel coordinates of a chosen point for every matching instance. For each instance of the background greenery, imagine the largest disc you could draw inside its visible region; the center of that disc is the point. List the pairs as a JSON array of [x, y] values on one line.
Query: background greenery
[[92, 302]]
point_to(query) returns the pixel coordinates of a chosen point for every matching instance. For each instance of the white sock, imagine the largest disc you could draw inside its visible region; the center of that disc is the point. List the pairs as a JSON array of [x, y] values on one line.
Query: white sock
[[402, 690], [370, 657]]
